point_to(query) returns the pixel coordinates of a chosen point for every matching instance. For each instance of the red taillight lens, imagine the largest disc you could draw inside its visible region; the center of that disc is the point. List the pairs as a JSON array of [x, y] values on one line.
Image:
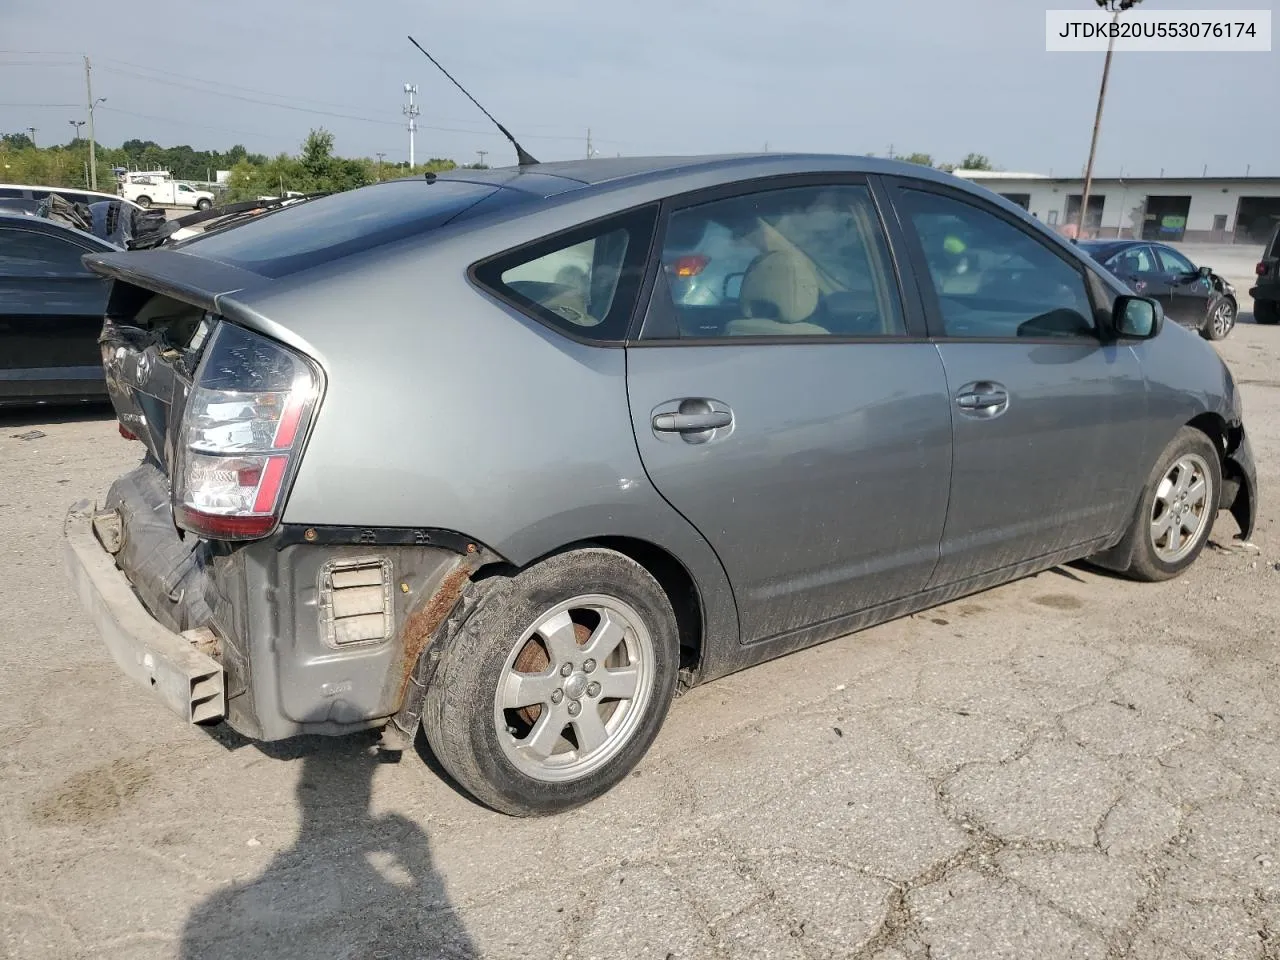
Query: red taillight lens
[[1261, 268], [689, 266], [127, 434], [241, 435]]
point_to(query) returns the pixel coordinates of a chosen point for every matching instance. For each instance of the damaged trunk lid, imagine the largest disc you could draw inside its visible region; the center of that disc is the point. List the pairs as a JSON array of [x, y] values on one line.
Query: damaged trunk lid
[[162, 308]]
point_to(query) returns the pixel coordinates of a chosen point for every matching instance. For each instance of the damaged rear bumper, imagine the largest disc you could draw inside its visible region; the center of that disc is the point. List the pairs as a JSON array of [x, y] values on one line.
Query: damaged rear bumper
[[309, 631], [185, 679]]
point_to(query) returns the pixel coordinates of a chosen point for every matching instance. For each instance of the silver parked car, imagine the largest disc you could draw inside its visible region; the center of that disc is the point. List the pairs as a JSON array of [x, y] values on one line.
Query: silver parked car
[[449, 452]]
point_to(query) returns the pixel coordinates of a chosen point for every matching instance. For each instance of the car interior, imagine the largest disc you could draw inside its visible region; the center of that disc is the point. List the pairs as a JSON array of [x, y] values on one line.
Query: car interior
[[793, 262]]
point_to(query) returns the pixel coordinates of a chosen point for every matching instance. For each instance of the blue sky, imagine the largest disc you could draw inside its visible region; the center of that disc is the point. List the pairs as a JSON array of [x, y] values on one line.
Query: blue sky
[[665, 76]]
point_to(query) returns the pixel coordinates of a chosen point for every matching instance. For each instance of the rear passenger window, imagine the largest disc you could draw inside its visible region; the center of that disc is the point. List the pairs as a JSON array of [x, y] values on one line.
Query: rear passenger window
[[25, 253], [583, 282], [796, 262]]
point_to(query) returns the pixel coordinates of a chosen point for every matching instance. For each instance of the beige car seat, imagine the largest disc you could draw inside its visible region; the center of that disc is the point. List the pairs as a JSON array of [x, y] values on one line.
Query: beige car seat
[[779, 294]]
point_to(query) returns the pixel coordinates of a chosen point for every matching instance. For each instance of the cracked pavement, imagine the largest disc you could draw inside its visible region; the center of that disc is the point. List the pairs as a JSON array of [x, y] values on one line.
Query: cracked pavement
[[1071, 766]]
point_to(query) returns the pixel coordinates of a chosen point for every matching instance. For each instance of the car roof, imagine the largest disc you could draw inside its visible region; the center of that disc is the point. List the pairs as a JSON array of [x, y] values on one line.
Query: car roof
[[549, 179]]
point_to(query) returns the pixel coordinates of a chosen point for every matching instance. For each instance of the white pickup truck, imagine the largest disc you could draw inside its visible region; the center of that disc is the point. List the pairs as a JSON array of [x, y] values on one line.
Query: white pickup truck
[[157, 191]]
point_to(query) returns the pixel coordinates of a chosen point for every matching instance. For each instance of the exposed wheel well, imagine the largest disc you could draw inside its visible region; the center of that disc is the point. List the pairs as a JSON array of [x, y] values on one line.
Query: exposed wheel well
[[671, 575], [1215, 428]]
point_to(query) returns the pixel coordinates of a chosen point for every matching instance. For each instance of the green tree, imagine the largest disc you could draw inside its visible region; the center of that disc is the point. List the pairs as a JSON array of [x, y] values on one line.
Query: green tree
[[976, 161], [924, 159]]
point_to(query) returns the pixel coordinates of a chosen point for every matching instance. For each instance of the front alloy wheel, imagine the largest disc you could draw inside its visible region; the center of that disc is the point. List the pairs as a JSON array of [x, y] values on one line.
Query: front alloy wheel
[[1175, 516], [1180, 508], [1221, 320]]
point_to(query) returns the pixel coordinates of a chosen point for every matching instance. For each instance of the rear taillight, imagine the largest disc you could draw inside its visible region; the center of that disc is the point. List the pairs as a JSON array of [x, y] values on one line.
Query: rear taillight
[[1261, 268], [242, 434], [689, 266]]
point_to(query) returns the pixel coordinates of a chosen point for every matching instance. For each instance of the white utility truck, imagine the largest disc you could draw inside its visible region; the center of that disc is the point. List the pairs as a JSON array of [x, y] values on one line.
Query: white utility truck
[[159, 190]]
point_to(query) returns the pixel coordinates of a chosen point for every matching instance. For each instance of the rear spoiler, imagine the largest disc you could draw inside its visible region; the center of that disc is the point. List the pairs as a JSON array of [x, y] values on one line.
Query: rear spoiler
[[191, 279]]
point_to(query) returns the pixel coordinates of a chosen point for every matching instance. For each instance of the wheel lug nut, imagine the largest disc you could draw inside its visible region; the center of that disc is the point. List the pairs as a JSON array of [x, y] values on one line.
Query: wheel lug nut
[[593, 689], [566, 669], [557, 695], [574, 708], [588, 666]]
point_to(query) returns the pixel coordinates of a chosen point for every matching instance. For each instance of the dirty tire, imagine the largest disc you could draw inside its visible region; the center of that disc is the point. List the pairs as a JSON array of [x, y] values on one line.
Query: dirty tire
[[203, 204], [1146, 563], [459, 712], [144, 202], [1266, 312]]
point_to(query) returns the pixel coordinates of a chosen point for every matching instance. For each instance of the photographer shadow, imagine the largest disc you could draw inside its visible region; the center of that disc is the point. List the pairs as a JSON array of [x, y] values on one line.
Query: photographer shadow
[[352, 885]]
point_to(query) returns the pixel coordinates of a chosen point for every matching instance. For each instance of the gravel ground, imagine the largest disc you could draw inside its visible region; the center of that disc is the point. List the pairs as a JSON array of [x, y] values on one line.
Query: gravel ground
[[1071, 766]]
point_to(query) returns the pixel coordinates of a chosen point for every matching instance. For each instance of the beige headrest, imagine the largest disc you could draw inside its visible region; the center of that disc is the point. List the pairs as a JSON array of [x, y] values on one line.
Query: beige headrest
[[780, 285]]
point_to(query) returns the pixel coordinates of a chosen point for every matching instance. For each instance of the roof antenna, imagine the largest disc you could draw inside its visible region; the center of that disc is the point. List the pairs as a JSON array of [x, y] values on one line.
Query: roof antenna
[[523, 157]]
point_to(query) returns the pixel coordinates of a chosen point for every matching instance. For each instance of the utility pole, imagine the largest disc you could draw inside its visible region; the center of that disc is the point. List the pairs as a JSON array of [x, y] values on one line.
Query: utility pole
[[482, 154], [378, 175], [411, 111], [590, 149], [93, 156], [1097, 117], [31, 132], [77, 124]]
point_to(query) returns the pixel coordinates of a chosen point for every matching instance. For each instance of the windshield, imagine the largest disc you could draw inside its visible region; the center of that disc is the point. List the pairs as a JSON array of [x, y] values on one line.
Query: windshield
[[303, 235]]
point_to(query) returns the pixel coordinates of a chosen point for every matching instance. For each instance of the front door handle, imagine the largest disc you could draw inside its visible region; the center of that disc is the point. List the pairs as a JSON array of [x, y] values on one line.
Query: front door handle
[[983, 399], [692, 422]]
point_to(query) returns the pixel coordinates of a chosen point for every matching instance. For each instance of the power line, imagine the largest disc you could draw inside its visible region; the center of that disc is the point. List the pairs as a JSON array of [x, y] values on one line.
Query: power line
[[271, 103], [71, 105], [189, 123]]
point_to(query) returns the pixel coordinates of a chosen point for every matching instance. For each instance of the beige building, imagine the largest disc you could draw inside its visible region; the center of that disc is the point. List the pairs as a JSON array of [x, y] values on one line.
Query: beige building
[[1214, 209]]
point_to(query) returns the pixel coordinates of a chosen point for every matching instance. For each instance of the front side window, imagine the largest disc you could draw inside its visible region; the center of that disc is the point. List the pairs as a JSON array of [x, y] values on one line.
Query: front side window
[[24, 253], [1173, 262], [993, 279], [183, 188], [798, 261], [583, 282]]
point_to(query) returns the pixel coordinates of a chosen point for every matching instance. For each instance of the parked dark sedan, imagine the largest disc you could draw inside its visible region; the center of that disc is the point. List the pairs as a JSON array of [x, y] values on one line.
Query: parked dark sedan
[[1195, 297], [51, 309]]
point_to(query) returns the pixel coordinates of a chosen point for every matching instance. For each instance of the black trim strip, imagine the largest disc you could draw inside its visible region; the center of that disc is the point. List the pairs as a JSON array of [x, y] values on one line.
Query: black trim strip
[[294, 534]]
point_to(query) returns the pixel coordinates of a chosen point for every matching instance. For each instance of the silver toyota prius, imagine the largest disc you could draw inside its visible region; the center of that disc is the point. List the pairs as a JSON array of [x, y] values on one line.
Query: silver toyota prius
[[462, 452]]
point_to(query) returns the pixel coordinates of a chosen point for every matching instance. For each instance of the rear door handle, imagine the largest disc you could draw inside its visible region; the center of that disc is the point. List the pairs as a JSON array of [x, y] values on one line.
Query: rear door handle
[[692, 422]]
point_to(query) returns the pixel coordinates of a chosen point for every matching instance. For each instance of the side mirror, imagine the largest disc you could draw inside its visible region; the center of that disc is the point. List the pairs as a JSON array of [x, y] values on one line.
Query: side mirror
[[1205, 272], [1136, 318]]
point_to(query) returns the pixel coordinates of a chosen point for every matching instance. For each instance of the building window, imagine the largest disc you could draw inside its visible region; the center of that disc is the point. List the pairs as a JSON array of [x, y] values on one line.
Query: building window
[[1220, 223]]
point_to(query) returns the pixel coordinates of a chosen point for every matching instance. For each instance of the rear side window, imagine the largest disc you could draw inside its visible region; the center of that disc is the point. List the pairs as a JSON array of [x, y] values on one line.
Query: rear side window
[[304, 235], [584, 282], [24, 253]]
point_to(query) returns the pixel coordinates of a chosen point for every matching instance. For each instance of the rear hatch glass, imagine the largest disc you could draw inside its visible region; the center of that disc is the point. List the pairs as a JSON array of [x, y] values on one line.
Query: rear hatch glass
[[301, 236]]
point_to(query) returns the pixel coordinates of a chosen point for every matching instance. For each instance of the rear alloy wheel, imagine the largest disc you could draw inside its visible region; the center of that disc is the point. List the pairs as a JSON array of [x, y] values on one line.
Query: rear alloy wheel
[[1221, 320], [1178, 508], [1266, 312], [144, 202], [203, 204], [555, 683]]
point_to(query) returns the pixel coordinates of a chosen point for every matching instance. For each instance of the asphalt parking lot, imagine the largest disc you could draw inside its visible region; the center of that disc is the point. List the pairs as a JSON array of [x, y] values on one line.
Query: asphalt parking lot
[[1071, 766]]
